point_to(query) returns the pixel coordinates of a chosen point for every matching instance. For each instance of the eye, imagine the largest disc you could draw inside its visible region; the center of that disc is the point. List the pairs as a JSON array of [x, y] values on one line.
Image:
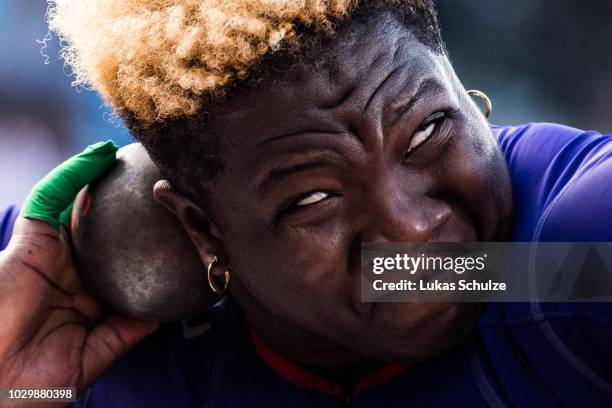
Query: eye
[[311, 198], [425, 131]]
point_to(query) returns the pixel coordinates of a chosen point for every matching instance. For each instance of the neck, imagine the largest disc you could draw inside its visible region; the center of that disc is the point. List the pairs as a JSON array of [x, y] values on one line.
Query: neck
[[343, 378], [307, 349]]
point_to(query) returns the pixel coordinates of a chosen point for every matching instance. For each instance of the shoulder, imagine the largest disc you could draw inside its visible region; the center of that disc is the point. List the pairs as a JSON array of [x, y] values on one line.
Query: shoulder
[[560, 179], [562, 191], [201, 363]]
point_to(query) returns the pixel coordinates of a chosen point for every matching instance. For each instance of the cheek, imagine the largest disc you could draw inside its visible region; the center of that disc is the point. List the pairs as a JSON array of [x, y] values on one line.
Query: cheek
[[301, 274], [476, 173]]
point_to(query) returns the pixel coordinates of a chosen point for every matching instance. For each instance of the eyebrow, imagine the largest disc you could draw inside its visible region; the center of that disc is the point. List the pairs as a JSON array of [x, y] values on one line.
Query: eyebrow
[[425, 87], [282, 172], [297, 133]]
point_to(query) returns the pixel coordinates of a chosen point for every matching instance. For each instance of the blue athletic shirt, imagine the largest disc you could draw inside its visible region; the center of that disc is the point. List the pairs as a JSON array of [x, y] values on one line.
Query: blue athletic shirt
[[522, 354]]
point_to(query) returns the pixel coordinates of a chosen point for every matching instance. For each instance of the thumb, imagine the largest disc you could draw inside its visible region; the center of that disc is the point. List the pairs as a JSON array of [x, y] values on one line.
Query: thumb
[[56, 191]]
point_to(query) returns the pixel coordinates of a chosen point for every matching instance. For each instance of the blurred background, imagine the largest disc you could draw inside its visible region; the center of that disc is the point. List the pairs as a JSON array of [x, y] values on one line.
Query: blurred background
[[538, 60]]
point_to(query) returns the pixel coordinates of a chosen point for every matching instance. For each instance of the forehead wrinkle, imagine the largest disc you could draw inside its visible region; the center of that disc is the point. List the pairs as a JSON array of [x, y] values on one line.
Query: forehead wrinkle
[[386, 84], [405, 67], [369, 75], [344, 78], [372, 41], [341, 73]]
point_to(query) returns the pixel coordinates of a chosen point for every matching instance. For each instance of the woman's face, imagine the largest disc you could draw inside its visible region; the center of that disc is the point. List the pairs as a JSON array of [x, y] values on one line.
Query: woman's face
[[383, 146]]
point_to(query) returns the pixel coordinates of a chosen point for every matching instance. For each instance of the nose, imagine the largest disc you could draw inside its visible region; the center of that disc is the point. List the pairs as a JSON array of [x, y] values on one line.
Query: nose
[[395, 216], [404, 217]]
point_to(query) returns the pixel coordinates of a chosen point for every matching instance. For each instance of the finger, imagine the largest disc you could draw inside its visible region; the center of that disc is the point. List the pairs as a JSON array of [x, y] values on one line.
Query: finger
[[54, 193], [38, 246], [36, 274], [110, 340]]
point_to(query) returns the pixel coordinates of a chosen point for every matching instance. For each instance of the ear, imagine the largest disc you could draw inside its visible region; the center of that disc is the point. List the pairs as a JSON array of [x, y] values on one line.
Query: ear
[[202, 232]]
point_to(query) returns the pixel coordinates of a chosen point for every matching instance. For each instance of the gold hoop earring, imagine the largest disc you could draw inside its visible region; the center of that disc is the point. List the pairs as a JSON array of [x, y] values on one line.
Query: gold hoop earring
[[485, 98], [211, 282]]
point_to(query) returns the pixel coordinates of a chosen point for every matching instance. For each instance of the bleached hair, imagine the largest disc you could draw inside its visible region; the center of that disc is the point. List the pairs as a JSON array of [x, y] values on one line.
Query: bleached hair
[[156, 58]]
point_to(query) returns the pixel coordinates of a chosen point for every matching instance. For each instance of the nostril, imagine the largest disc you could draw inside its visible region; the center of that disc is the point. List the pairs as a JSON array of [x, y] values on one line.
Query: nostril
[[420, 227], [410, 219], [443, 215]]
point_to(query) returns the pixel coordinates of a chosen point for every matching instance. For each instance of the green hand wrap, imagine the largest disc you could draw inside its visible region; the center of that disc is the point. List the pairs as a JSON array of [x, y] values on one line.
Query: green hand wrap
[[52, 197]]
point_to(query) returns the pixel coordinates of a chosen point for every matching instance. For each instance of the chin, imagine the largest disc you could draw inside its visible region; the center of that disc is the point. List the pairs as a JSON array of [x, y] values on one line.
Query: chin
[[411, 332]]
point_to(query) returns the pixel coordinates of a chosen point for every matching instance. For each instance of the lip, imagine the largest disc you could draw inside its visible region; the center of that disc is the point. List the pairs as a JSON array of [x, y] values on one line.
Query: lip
[[458, 227]]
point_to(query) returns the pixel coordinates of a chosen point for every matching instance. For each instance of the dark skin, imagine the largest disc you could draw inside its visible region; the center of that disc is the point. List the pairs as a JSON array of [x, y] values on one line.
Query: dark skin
[[384, 145]]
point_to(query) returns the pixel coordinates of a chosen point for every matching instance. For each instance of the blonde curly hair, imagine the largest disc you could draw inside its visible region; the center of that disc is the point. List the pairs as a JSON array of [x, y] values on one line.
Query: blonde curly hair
[[156, 58]]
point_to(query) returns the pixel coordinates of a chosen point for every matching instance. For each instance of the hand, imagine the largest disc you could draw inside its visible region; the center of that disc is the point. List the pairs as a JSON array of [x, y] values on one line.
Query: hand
[[52, 332]]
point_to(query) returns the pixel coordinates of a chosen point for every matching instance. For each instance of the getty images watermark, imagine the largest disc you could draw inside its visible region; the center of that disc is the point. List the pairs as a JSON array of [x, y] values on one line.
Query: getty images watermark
[[486, 271], [426, 265]]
